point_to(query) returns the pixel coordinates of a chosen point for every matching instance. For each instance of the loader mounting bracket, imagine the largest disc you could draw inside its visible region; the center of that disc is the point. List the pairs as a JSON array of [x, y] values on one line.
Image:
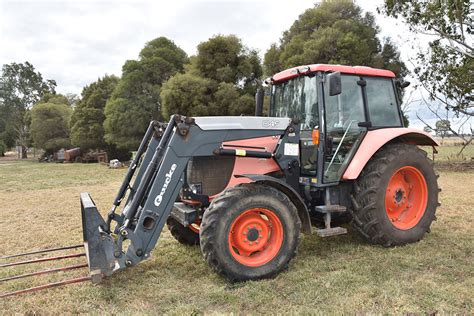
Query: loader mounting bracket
[[99, 245]]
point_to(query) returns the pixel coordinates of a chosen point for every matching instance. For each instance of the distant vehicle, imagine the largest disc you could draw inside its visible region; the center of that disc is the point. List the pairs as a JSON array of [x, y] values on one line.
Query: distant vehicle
[[76, 155]]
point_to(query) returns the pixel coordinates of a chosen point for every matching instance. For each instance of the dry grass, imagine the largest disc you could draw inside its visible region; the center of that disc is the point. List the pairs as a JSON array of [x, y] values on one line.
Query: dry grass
[[40, 208], [450, 153]]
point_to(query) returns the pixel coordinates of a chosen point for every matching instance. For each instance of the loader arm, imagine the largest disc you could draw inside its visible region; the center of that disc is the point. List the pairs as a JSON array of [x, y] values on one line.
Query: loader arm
[[164, 154]]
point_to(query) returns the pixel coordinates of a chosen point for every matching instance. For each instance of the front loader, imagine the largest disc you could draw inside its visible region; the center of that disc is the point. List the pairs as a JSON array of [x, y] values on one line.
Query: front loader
[[333, 150]]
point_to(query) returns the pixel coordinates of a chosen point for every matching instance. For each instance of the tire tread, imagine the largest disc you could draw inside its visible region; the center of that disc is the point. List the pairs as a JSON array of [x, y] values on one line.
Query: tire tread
[[365, 193]]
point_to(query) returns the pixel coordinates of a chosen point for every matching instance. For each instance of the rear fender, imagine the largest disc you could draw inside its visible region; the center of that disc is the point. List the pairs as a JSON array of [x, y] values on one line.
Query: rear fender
[[376, 139], [303, 212]]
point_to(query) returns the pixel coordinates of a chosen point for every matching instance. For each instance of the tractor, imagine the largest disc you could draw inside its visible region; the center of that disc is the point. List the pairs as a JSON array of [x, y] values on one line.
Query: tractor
[[333, 150]]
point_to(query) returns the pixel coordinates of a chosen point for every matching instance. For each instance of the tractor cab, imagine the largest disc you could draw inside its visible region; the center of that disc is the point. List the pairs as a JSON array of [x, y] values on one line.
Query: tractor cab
[[336, 106]]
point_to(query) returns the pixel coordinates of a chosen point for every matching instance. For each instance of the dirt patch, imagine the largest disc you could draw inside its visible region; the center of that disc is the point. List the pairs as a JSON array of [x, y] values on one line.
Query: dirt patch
[[456, 166]]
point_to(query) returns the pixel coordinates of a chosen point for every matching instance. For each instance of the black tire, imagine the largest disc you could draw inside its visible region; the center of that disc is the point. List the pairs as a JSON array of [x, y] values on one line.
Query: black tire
[[369, 213], [220, 216], [182, 234]]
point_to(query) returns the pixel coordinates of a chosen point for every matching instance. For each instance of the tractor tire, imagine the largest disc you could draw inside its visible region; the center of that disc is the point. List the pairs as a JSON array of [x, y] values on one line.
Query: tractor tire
[[396, 196], [251, 231], [184, 235]]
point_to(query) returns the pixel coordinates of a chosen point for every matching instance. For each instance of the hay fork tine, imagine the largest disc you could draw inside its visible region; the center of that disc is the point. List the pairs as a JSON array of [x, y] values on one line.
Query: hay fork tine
[[11, 264], [41, 251], [42, 272], [46, 286]]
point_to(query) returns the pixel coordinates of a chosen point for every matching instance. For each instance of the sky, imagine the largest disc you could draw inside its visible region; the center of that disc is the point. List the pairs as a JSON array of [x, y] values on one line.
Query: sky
[[77, 41]]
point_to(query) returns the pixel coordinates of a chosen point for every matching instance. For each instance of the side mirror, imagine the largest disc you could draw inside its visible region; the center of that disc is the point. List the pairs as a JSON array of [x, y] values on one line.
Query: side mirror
[[335, 84], [259, 102], [404, 84]]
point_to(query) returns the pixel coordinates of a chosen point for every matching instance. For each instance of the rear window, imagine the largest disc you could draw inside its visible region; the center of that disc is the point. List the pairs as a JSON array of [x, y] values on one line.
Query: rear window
[[382, 102]]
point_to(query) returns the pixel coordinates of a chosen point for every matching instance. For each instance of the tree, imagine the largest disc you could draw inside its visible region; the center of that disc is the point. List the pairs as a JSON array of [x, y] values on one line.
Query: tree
[[446, 119], [50, 124], [442, 128], [220, 80], [72, 99], [7, 132], [87, 121], [136, 98], [22, 87], [187, 94], [333, 32], [446, 69], [223, 58], [54, 98], [271, 61], [3, 148]]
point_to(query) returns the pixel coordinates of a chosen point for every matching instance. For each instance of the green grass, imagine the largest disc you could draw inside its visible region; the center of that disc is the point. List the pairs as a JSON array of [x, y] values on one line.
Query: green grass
[[40, 208]]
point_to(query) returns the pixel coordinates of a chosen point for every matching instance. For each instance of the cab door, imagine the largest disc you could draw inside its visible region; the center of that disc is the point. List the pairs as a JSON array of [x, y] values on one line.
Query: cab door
[[343, 113]]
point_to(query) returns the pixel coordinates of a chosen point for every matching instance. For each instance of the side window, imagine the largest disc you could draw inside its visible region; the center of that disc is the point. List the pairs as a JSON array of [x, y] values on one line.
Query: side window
[[381, 99], [347, 106]]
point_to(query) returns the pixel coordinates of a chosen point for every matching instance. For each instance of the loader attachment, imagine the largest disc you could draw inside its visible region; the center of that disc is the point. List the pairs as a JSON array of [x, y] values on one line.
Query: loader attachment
[[98, 249], [6, 263], [124, 239], [98, 245]]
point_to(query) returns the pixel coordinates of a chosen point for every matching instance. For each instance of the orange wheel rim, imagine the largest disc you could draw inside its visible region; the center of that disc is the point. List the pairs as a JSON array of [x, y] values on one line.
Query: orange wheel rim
[[255, 237], [406, 197]]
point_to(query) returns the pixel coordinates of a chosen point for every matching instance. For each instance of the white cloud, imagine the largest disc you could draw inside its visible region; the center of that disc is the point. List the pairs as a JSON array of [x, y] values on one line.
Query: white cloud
[[75, 42]]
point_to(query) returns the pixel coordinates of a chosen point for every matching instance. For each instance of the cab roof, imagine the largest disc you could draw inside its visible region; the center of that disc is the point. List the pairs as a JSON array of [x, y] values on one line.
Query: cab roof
[[355, 70]]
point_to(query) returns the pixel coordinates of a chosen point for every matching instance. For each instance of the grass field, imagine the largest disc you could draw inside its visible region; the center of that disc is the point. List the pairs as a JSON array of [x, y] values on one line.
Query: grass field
[[40, 208], [450, 152]]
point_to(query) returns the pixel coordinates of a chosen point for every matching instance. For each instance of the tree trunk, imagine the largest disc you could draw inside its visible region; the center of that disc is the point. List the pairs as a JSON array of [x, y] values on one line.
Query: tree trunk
[[465, 145], [24, 154]]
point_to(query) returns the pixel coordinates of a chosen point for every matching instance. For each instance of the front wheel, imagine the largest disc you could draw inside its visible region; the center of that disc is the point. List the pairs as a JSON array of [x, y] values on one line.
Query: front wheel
[[185, 235], [396, 196], [250, 231]]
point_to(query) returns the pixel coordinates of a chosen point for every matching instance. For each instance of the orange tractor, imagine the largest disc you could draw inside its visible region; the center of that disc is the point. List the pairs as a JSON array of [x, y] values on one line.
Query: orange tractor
[[332, 150]]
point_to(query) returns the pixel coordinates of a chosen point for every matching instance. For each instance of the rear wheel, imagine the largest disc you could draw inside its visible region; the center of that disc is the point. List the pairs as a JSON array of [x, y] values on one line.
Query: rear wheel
[[396, 196], [250, 231], [185, 235]]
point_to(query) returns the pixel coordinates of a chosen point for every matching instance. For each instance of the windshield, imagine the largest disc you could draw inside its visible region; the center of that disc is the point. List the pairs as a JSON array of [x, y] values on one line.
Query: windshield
[[297, 98]]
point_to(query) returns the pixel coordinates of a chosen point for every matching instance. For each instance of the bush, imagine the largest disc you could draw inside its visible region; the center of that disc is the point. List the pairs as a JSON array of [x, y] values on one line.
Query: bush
[[3, 148], [113, 152], [50, 126]]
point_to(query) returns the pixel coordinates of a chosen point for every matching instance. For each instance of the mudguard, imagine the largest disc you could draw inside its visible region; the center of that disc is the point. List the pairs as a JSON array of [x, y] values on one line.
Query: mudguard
[[375, 139], [303, 212]]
